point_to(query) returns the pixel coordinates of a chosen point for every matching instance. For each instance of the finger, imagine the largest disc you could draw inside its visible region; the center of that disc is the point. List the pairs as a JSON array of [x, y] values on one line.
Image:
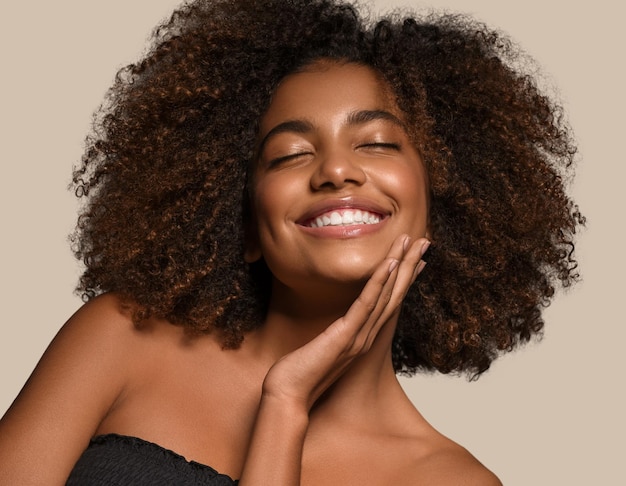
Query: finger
[[383, 311], [348, 337], [422, 264], [408, 269], [377, 291], [418, 270], [329, 354]]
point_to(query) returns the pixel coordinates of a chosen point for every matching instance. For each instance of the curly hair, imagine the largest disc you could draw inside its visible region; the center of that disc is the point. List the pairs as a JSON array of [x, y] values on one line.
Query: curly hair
[[166, 167]]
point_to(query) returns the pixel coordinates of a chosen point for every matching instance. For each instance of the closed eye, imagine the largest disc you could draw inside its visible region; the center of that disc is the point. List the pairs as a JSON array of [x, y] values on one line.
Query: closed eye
[[285, 158], [380, 146]]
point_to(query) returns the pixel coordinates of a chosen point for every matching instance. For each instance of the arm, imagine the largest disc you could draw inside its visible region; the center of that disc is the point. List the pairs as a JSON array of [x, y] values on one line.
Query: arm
[[295, 382], [74, 385]]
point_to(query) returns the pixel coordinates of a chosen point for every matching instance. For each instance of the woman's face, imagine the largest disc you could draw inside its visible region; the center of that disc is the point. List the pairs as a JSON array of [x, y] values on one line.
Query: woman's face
[[337, 178]]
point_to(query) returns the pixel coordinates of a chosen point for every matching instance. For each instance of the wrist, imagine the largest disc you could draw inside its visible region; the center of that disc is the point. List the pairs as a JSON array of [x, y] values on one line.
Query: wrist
[[287, 410]]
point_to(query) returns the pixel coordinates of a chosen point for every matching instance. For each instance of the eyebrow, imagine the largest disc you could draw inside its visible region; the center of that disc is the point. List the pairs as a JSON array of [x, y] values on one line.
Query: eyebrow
[[366, 116], [292, 126], [354, 118]]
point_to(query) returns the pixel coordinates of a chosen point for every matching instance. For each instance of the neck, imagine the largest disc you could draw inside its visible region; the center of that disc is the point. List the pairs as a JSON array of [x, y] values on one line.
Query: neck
[[369, 384], [296, 317]]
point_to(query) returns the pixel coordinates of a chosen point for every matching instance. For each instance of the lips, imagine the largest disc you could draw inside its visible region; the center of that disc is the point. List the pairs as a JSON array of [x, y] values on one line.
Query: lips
[[344, 217], [349, 211]]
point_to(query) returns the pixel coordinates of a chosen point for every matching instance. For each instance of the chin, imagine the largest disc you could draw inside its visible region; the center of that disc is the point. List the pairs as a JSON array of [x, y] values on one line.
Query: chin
[[351, 270]]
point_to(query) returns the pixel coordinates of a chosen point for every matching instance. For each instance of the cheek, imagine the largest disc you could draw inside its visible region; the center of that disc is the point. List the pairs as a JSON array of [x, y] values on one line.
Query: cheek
[[408, 184], [416, 186], [409, 189], [274, 198]]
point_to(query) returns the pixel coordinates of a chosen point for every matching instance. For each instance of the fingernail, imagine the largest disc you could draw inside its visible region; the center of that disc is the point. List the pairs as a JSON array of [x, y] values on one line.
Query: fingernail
[[424, 248], [393, 265], [420, 266], [407, 242]]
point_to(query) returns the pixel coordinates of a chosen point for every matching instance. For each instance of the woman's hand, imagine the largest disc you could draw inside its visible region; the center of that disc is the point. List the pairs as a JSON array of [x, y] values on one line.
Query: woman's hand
[[303, 375], [296, 381]]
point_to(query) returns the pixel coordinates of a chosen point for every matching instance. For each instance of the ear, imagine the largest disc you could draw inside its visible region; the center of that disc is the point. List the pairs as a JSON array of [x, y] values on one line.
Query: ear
[[252, 253]]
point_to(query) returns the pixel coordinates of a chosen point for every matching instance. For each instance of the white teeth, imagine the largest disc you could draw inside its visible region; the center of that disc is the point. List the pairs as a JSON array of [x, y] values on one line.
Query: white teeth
[[348, 218]]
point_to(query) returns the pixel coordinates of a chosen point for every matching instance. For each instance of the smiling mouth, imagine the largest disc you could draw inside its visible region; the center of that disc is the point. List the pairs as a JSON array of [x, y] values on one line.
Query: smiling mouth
[[346, 217]]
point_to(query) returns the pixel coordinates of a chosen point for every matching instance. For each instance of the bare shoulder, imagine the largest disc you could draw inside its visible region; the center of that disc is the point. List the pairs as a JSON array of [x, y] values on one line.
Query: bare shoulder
[[96, 336], [73, 386], [449, 464], [456, 466], [105, 313]]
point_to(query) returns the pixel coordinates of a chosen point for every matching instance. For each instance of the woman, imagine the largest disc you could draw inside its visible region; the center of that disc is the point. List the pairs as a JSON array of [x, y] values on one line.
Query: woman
[[261, 190]]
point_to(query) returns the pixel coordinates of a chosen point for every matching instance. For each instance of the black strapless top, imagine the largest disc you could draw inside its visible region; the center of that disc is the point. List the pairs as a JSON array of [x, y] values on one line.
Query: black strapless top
[[117, 460]]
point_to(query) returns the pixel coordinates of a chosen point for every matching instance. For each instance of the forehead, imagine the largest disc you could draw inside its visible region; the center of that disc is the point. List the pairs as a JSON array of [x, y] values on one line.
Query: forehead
[[328, 89]]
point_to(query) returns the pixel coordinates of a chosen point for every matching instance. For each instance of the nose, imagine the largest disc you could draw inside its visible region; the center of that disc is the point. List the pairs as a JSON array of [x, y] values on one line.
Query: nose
[[336, 170]]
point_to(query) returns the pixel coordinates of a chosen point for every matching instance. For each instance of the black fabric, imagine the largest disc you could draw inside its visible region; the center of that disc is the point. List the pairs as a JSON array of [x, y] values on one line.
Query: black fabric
[[117, 460]]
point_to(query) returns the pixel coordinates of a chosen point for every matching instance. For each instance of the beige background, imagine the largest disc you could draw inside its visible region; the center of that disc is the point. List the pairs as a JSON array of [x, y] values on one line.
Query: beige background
[[549, 414]]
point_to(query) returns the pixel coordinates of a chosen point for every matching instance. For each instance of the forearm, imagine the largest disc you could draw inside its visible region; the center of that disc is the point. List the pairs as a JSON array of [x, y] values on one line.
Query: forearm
[[275, 453]]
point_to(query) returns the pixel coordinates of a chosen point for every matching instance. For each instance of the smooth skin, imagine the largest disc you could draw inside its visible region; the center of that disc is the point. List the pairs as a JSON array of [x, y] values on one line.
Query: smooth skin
[[310, 398]]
